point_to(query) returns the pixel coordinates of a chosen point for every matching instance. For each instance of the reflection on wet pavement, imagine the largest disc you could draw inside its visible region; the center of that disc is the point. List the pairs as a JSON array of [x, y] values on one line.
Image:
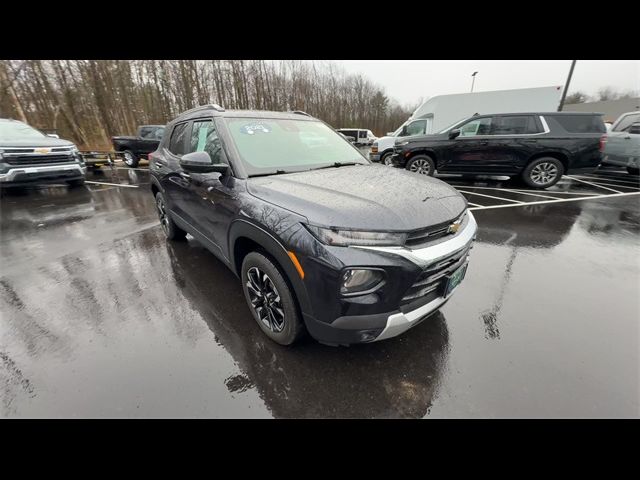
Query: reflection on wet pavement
[[101, 317]]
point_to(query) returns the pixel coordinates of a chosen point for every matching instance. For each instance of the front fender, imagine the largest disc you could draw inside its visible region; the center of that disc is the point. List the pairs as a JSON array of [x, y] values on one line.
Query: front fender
[[246, 228]]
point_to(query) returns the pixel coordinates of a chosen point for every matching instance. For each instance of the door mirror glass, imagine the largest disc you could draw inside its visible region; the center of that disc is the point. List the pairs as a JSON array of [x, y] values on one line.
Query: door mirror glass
[[52, 135], [200, 162], [454, 133]]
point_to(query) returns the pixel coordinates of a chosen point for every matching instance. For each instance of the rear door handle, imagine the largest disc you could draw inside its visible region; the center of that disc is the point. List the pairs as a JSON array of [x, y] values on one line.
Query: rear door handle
[[530, 141], [484, 143], [184, 175]]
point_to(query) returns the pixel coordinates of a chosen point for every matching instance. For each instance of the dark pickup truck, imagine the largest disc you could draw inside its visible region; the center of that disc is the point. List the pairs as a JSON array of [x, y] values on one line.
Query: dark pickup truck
[[145, 142]]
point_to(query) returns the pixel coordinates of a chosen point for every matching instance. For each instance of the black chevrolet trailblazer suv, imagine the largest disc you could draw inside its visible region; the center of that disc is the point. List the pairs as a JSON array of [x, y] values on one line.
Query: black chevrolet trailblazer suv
[[538, 147], [322, 239]]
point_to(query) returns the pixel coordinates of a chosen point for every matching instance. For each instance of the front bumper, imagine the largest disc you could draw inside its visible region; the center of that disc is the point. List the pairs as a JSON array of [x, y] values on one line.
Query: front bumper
[[49, 173], [374, 157], [376, 318]]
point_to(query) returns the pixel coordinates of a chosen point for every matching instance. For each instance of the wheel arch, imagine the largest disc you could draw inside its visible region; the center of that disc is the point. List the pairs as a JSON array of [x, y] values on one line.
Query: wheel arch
[[246, 237]]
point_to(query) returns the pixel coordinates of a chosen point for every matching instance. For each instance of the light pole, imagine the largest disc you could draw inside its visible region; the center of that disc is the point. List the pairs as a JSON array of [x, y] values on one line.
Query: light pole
[[473, 76], [566, 85]]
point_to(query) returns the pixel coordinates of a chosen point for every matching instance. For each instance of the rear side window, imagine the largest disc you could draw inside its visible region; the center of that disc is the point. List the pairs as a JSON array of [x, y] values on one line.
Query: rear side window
[[626, 122], [516, 125], [581, 123], [176, 144]]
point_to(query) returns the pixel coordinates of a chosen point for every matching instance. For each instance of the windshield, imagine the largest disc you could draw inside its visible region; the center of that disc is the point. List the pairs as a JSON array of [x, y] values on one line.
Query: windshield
[[18, 131], [268, 145], [458, 122]]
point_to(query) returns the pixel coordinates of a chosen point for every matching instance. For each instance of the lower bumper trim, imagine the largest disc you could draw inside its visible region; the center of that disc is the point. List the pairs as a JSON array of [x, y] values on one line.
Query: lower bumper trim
[[401, 322]]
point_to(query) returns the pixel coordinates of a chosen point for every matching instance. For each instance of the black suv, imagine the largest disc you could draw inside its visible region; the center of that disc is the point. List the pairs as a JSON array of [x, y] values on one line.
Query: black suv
[[320, 237], [539, 147]]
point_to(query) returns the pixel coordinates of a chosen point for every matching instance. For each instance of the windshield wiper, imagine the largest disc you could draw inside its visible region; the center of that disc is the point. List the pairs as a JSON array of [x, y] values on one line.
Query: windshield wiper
[[337, 164], [277, 172]]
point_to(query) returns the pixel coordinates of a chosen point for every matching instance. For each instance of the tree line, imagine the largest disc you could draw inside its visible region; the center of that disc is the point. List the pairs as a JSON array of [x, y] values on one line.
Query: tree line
[[602, 95], [88, 101]]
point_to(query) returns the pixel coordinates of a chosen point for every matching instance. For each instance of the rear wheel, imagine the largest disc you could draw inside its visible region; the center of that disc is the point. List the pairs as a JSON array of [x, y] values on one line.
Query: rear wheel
[[633, 171], [130, 159], [270, 299], [171, 230], [543, 172], [422, 164]]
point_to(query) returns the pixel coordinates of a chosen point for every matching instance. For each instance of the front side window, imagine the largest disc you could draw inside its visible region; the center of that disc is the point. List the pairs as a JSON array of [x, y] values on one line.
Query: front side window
[[176, 144], [268, 145], [204, 138], [626, 122], [415, 128], [480, 126], [13, 130]]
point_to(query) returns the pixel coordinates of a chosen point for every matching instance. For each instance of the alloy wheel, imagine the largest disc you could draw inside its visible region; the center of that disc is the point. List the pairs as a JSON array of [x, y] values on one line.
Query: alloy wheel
[[421, 166], [128, 158], [265, 299], [544, 173]]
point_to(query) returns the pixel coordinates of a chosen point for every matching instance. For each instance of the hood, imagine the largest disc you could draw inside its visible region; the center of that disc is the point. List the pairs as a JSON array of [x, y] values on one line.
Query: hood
[[36, 142], [366, 197]]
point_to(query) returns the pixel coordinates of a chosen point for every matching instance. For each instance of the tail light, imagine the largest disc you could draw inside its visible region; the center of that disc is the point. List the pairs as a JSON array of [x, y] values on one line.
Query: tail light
[[603, 142], [150, 157]]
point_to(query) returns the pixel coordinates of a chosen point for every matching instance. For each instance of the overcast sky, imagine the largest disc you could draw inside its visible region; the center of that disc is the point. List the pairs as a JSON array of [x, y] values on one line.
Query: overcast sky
[[409, 80]]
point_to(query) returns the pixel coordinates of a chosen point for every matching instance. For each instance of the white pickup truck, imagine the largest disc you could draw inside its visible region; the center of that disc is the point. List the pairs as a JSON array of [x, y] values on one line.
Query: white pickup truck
[[623, 143]]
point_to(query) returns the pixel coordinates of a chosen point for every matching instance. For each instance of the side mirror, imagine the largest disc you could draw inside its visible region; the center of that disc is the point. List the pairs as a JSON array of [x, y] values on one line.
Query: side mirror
[[53, 135], [200, 162], [454, 133]]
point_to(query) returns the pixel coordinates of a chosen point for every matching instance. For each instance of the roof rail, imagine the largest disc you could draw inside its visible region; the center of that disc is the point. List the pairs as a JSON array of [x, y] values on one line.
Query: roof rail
[[208, 106], [300, 112]]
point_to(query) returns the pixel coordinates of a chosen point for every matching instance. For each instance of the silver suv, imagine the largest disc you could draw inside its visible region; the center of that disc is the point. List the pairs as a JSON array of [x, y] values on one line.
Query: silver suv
[[623, 143]]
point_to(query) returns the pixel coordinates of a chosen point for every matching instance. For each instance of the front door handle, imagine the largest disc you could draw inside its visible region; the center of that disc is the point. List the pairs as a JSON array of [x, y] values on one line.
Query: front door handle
[[185, 175], [530, 141], [485, 142]]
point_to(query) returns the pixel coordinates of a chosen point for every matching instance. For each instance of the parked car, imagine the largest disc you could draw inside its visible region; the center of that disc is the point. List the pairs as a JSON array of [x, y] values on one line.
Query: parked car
[[134, 148], [623, 143], [439, 111], [28, 156], [315, 240], [538, 147], [347, 138], [362, 136]]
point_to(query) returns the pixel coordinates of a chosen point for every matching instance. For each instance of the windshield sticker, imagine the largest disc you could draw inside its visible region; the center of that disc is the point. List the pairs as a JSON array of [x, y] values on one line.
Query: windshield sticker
[[253, 128]]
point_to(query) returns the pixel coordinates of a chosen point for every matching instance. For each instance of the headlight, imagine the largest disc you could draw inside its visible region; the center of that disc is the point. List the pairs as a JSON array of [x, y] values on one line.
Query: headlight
[[345, 238], [356, 280], [74, 149]]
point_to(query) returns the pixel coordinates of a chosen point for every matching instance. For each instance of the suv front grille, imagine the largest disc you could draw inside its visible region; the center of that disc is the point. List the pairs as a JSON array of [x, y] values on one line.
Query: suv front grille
[[37, 159], [431, 282], [424, 235]]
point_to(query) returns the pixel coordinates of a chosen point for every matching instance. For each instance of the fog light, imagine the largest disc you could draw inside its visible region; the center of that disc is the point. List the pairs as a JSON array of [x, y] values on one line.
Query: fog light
[[360, 280]]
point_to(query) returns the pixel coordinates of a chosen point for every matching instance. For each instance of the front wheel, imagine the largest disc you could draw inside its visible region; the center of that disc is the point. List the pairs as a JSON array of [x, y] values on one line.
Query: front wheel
[[386, 159], [422, 164], [270, 299], [543, 172], [130, 159], [633, 171]]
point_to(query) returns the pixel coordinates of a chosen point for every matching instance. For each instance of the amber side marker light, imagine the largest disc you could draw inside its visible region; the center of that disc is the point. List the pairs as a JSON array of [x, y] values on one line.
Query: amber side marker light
[[296, 264]]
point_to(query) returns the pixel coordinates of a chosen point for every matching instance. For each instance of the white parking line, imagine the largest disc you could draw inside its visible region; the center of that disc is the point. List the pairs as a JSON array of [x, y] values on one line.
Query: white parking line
[[130, 168], [593, 184], [521, 190], [617, 185], [560, 200], [606, 179], [112, 184], [474, 204], [490, 196], [614, 174], [536, 195]]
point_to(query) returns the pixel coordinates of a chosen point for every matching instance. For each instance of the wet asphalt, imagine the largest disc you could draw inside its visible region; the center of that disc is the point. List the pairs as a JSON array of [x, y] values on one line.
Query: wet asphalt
[[102, 317]]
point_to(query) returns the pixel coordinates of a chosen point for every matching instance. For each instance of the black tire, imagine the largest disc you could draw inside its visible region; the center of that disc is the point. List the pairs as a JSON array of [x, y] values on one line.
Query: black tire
[[633, 171], [130, 159], [171, 230], [422, 164], [386, 158], [543, 172], [76, 183], [279, 318]]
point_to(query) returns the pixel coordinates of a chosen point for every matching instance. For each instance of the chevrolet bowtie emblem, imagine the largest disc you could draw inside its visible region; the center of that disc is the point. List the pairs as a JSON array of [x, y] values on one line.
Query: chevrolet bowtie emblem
[[42, 150]]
